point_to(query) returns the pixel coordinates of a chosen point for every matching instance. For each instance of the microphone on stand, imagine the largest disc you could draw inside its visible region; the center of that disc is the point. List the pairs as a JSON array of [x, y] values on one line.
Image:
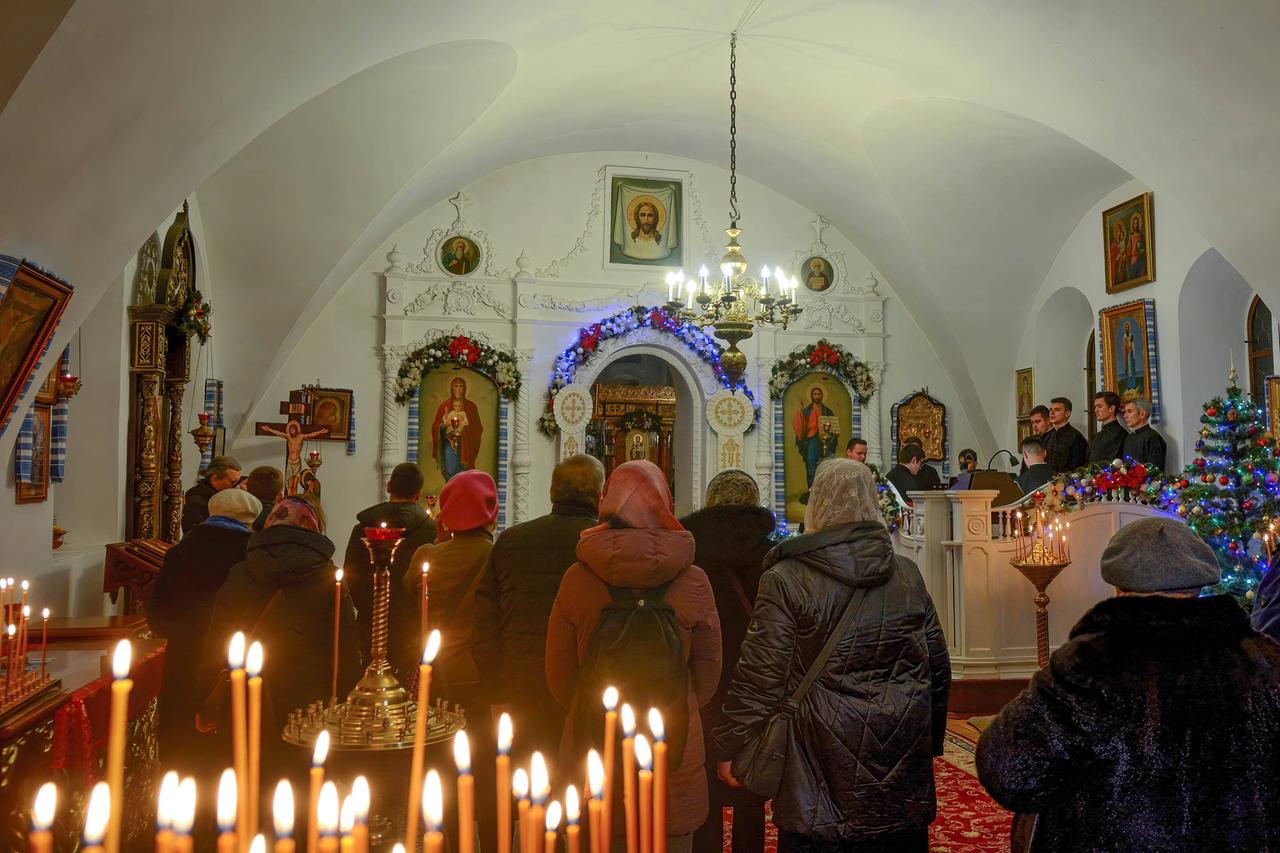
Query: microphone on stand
[[1009, 453]]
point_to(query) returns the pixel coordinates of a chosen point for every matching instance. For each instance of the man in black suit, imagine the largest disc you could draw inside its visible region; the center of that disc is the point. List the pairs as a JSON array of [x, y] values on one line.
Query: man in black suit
[[1038, 472], [1107, 442], [905, 475], [1143, 443], [1067, 448]]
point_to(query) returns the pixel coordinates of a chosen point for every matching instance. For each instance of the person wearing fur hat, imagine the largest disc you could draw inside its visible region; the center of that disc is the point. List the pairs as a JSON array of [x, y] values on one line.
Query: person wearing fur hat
[[1155, 726], [179, 610]]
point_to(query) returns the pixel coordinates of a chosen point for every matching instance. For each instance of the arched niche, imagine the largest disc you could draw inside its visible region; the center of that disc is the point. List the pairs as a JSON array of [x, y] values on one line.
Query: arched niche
[[1063, 326]]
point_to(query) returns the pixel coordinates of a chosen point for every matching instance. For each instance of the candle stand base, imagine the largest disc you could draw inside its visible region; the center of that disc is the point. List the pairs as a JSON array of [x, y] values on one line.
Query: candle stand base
[[1041, 575]]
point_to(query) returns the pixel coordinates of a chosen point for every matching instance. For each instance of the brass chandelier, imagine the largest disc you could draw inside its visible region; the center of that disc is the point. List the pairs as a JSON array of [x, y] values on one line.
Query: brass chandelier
[[738, 303]]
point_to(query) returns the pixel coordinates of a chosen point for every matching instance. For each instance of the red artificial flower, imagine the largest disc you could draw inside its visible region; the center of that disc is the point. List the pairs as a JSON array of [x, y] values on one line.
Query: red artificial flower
[[464, 347], [822, 353], [590, 338]]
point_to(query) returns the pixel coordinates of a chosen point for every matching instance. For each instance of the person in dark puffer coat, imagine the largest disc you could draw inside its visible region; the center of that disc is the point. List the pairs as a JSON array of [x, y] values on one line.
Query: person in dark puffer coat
[[1157, 725], [859, 771], [731, 534]]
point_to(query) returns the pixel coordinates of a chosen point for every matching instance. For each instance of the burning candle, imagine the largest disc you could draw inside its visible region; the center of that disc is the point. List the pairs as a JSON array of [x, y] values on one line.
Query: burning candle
[[420, 738], [120, 687], [466, 794], [166, 809], [595, 779], [96, 818], [249, 799], [184, 816], [539, 788], [239, 723], [282, 817], [44, 643], [610, 734], [317, 783], [40, 840], [258, 845], [572, 813], [629, 778], [327, 819], [337, 622], [433, 811], [228, 803], [520, 787], [659, 780], [644, 760], [426, 624], [671, 287], [347, 825], [360, 799], [553, 827], [24, 638], [11, 660], [503, 767]]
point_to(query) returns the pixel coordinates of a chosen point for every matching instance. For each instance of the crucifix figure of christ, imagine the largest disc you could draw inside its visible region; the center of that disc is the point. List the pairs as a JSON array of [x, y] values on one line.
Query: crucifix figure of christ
[[293, 434]]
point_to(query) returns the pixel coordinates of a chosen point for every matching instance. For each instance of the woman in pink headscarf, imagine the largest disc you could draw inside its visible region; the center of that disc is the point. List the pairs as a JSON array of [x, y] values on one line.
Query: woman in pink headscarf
[[638, 557]]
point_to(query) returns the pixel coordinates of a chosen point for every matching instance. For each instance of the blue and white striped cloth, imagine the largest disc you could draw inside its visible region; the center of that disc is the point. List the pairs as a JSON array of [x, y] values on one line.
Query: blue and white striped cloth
[[22, 467], [212, 405], [414, 426], [351, 427], [58, 426]]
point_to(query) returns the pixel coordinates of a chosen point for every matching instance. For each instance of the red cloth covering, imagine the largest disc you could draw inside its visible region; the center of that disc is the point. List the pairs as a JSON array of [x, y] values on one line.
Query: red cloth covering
[[80, 725]]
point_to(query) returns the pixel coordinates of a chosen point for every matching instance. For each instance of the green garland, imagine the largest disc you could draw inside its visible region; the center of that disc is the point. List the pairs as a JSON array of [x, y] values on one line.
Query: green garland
[[827, 356], [449, 350]]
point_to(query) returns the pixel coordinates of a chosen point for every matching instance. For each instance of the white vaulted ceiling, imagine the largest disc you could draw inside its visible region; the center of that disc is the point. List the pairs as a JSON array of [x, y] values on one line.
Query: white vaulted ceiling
[[956, 143]]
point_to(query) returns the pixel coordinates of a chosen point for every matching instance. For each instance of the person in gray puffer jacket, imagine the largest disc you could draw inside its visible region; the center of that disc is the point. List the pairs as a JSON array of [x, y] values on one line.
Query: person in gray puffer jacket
[[859, 769]]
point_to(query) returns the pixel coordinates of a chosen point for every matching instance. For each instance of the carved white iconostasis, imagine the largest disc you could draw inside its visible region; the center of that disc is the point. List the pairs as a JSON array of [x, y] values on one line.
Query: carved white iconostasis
[[462, 283]]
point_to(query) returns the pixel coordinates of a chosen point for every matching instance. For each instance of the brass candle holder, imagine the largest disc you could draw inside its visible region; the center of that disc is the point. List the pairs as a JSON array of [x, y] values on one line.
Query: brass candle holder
[[1040, 555], [203, 434]]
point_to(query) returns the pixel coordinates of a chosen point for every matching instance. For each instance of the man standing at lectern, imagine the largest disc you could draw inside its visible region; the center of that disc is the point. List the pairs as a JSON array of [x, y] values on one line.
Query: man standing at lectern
[[1068, 449]]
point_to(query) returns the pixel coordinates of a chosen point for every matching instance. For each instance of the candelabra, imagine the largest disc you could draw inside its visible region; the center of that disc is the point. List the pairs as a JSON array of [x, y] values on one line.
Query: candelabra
[[203, 434], [68, 386], [1040, 554]]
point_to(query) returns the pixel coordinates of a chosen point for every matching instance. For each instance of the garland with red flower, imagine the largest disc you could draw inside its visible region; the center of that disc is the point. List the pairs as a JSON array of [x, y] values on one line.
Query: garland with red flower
[[449, 350], [193, 316], [589, 338], [640, 419], [827, 356]]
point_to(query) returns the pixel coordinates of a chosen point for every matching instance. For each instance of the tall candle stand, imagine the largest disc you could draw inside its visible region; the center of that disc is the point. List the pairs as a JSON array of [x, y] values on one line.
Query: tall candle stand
[[1040, 555], [378, 714]]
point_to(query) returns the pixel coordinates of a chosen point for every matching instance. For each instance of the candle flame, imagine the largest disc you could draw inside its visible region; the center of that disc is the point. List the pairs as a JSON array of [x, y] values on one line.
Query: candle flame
[[462, 753], [505, 734], [360, 793], [644, 755], [185, 814], [95, 821], [595, 774], [426, 566], [26, 611], [382, 524], [572, 808], [610, 698], [259, 844], [235, 651], [520, 783], [120, 660], [253, 660], [322, 749], [167, 806], [227, 798], [11, 630], [45, 806], [432, 649], [327, 809], [25, 586], [553, 816], [655, 725], [628, 721], [398, 848], [337, 576], [347, 817], [45, 613], [433, 801], [282, 809], [539, 783]]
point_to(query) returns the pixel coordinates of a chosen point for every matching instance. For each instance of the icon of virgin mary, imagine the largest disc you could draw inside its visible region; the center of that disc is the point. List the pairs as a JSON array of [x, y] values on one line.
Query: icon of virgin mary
[[456, 431]]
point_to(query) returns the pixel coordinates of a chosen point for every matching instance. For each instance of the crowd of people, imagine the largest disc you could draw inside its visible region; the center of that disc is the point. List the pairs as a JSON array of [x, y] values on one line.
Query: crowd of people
[[1153, 728]]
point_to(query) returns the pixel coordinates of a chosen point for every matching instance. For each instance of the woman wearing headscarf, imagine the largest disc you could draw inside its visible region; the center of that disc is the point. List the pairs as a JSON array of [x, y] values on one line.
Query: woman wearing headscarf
[[639, 545], [731, 535], [858, 774]]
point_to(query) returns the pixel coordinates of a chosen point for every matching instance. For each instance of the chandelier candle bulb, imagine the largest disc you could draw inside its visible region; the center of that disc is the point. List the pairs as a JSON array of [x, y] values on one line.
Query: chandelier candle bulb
[[228, 806], [337, 628], [249, 800], [420, 739], [347, 825], [572, 814], [282, 817], [360, 798], [40, 839], [466, 794], [659, 781], [503, 770], [520, 788], [610, 735], [317, 783], [166, 808], [595, 780], [629, 804], [184, 816], [327, 819], [433, 811], [96, 818], [553, 827], [644, 760], [120, 687]]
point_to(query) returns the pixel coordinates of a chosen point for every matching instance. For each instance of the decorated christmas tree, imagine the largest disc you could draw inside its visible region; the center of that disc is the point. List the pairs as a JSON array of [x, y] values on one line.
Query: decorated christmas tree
[[1228, 495]]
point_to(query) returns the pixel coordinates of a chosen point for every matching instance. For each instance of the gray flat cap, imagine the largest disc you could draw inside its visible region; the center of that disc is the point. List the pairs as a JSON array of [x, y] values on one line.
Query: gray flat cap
[[1158, 554]]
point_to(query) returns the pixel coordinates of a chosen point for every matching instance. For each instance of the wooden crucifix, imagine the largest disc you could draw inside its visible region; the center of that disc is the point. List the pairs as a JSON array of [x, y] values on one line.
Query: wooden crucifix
[[294, 409]]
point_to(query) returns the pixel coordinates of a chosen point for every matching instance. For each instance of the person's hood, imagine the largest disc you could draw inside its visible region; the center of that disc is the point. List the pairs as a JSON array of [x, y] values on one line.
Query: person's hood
[[406, 514], [858, 555], [283, 555], [726, 528], [636, 558]]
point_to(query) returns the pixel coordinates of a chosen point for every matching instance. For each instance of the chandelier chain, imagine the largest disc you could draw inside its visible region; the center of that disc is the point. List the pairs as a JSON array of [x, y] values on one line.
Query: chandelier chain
[[733, 129]]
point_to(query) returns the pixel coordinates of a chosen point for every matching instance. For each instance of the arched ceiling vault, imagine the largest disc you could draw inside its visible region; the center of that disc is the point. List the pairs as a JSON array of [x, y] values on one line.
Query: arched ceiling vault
[[937, 136]]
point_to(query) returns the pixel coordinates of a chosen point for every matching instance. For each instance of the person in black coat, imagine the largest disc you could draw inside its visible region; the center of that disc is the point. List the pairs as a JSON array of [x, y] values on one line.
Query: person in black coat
[[1036, 471], [265, 483], [1106, 445], [905, 476], [1155, 727], [731, 536], [1143, 443], [179, 609], [859, 772], [223, 473], [516, 590], [1068, 449], [404, 488]]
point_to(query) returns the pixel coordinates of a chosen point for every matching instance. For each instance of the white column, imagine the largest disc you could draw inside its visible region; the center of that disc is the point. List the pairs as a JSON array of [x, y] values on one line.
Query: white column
[[391, 453], [871, 421], [520, 458]]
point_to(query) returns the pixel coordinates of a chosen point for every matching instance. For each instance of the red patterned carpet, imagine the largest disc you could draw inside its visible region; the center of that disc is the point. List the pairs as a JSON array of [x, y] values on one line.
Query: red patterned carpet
[[968, 820]]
